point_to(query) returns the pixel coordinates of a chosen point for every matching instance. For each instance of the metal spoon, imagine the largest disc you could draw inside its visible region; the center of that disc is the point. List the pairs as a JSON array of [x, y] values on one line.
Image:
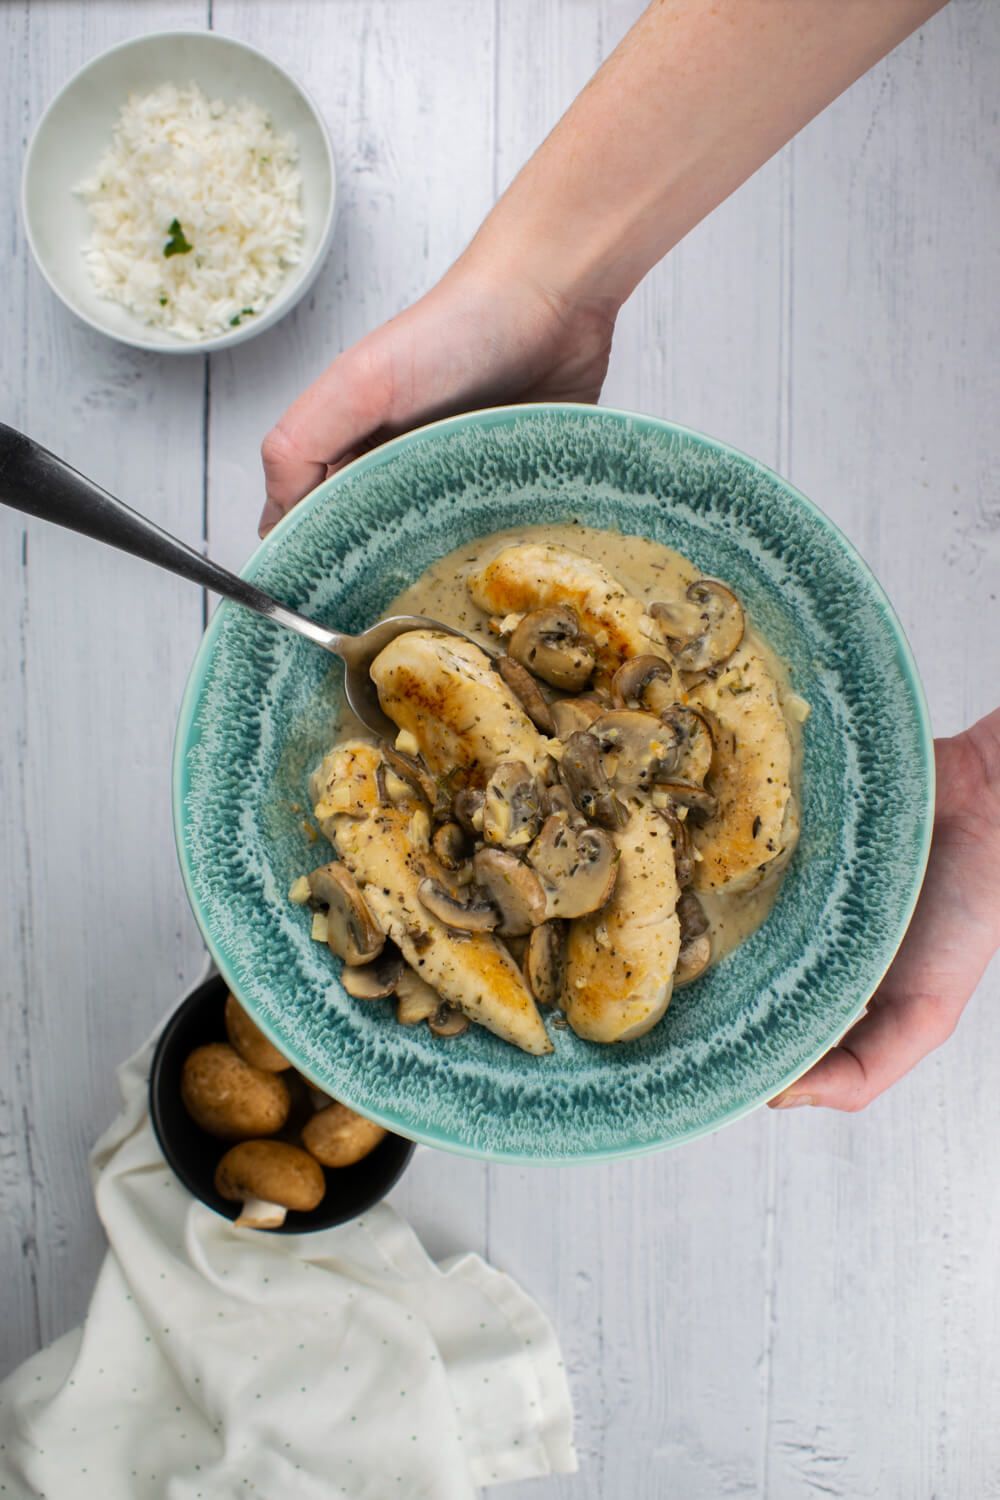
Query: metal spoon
[[35, 481]]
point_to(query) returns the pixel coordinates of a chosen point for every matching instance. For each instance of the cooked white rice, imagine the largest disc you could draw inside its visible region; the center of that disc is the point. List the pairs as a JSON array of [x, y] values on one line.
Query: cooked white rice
[[183, 170]]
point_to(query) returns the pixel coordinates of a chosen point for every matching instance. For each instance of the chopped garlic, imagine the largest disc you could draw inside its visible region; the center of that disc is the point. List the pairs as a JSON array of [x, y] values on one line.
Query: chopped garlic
[[319, 927], [420, 830], [509, 624], [407, 743], [600, 638], [299, 890], [797, 708], [396, 789]]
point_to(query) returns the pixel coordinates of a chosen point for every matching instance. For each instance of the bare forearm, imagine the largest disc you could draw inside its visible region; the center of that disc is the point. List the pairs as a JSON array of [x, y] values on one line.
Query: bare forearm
[[698, 95]]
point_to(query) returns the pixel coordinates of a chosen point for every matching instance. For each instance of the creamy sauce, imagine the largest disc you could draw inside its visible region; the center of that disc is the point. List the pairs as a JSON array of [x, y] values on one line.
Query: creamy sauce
[[647, 570]]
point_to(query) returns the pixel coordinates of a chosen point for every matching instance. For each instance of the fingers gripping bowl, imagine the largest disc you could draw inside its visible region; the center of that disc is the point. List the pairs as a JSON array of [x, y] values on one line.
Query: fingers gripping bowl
[[258, 718]]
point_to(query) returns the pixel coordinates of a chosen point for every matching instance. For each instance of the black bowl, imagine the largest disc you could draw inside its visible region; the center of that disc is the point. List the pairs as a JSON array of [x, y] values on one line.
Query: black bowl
[[194, 1155]]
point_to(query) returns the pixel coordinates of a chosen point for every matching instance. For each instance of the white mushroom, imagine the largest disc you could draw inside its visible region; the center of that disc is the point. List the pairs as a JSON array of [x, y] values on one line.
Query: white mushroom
[[639, 749], [448, 1021], [582, 771], [705, 629], [550, 643], [513, 889], [545, 962], [511, 815], [578, 866], [467, 809], [571, 714], [646, 682], [529, 694], [686, 794], [695, 742], [696, 945], [351, 931], [451, 845], [416, 1000], [463, 915], [374, 981]]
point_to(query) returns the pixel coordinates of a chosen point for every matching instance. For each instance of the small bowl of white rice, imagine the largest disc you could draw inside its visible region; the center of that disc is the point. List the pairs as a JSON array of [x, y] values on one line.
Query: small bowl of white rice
[[179, 192]]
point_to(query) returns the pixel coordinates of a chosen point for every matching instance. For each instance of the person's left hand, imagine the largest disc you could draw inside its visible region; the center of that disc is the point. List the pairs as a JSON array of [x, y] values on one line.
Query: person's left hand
[[954, 933]]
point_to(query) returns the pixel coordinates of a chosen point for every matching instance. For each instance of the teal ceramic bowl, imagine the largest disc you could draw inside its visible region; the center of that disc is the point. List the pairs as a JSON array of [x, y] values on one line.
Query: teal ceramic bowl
[[257, 715]]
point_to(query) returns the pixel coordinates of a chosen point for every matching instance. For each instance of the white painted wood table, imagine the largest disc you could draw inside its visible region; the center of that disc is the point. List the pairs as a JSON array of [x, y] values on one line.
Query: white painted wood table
[[804, 1304]]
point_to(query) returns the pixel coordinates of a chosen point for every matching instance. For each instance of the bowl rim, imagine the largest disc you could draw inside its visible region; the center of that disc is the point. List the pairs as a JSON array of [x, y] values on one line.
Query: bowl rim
[[201, 993], [385, 453], [283, 302]]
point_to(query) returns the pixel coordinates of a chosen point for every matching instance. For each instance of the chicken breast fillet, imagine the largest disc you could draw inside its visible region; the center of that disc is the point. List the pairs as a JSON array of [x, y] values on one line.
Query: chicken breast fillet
[[532, 575], [753, 834], [620, 962], [462, 714], [386, 851]]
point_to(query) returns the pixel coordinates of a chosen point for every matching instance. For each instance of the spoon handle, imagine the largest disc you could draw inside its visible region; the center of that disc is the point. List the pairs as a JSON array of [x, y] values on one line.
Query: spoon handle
[[35, 481]]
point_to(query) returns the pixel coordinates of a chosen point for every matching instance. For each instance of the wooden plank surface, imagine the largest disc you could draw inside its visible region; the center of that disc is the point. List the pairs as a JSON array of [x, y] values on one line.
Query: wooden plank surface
[[801, 1305]]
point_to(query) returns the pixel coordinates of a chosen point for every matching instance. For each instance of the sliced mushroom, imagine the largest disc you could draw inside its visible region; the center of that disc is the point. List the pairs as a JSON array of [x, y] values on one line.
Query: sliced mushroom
[[695, 744], [527, 692], [511, 815], [447, 1021], [470, 915], [517, 947], [645, 682], [545, 962], [571, 714], [704, 630], [557, 799], [513, 889], [550, 643], [680, 837], [639, 749], [467, 808], [696, 945], [376, 980], [692, 961], [268, 1178], [577, 865], [416, 1000], [583, 775], [351, 931], [685, 794], [451, 845], [410, 768]]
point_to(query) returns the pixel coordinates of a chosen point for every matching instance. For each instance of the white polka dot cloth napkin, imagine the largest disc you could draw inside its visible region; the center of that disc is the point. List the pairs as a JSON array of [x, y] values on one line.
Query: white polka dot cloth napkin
[[220, 1364]]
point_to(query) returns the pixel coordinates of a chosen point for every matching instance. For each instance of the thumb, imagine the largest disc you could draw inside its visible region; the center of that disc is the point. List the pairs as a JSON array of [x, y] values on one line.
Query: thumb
[[330, 421]]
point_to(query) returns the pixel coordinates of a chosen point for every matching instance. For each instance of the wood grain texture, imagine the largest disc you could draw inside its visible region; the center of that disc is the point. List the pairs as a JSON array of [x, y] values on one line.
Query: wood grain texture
[[803, 1305]]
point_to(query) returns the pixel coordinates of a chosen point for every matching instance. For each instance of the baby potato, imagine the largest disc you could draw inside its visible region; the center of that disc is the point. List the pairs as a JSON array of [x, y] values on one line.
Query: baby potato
[[338, 1137], [249, 1041], [229, 1098]]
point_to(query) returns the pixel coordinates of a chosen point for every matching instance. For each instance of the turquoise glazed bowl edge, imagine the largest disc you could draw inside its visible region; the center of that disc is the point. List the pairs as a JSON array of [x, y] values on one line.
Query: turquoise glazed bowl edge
[[256, 717]]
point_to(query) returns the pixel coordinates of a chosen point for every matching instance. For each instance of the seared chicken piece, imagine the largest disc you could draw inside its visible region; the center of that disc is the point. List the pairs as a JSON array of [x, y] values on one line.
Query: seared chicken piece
[[751, 837], [532, 575], [620, 962], [344, 783], [384, 845], [461, 713]]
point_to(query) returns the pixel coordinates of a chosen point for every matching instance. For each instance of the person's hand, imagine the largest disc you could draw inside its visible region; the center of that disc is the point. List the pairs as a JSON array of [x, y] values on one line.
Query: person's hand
[[478, 338], [680, 114], [954, 933]]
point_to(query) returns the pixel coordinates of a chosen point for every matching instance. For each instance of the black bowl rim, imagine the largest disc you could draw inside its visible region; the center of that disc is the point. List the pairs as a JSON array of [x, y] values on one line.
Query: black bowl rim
[[206, 990]]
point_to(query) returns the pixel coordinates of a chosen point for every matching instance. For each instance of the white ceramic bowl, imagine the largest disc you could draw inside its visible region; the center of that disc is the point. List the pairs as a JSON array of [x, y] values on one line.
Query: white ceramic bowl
[[76, 128]]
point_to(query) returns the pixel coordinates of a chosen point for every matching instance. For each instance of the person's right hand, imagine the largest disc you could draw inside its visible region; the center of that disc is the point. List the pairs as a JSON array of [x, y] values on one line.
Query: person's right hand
[[478, 338]]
